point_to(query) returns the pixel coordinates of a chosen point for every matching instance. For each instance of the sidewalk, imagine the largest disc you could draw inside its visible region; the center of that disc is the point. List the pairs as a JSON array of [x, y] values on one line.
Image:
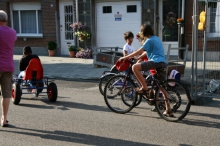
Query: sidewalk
[[77, 68], [66, 68]]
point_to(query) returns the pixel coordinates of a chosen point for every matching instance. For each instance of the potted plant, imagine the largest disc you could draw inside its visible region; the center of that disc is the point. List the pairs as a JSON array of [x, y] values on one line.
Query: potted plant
[[78, 28], [72, 51], [51, 46], [82, 35]]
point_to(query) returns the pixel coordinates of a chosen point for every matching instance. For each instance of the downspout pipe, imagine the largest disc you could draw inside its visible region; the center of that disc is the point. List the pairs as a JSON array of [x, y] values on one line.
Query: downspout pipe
[[183, 15], [77, 11], [77, 20]]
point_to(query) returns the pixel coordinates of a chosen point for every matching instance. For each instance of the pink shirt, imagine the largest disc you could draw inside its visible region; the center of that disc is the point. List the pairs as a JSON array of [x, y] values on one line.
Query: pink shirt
[[7, 39]]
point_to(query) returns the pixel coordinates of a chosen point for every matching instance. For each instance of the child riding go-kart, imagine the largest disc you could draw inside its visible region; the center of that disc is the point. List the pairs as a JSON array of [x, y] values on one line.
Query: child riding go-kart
[[33, 83]]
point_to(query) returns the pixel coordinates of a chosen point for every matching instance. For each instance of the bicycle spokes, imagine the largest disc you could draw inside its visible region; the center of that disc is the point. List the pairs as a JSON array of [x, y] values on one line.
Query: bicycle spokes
[[175, 101]]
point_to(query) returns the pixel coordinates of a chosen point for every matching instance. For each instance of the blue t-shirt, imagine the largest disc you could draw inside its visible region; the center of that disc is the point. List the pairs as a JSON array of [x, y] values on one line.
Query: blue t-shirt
[[154, 48]]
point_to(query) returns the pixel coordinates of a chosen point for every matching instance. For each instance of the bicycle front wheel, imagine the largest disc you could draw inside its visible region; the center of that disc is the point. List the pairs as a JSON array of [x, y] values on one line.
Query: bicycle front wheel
[[103, 82], [119, 95], [178, 100]]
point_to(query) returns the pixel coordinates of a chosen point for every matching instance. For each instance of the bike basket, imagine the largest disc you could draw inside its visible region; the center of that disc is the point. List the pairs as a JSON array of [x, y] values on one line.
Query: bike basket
[[122, 65]]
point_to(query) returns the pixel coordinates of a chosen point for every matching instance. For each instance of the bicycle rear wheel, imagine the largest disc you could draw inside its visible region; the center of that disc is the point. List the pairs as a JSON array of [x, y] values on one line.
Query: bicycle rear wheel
[[116, 94], [179, 100]]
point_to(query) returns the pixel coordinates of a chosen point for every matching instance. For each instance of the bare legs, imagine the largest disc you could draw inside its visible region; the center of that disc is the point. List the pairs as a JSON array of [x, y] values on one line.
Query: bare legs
[[5, 105], [137, 71]]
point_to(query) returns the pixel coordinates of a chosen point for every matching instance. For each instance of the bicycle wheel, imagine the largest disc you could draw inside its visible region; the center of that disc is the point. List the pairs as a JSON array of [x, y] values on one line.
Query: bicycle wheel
[[129, 92], [179, 100], [113, 92], [103, 82]]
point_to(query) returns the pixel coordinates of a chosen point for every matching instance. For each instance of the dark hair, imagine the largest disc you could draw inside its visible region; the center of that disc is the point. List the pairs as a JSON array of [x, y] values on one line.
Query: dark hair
[[27, 50], [147, 30], [128, 35]]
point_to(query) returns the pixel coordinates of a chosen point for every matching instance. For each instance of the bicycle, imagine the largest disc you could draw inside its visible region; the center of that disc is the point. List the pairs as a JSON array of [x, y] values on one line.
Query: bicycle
[[106, 75], [120, 95]]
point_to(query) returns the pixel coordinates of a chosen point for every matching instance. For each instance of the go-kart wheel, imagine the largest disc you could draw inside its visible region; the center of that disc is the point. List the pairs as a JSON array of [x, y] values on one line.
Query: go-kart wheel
[[52, 92], [16, 93]]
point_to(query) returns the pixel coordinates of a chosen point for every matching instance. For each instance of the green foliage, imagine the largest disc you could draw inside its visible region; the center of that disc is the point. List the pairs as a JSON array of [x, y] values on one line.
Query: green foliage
[[51, 45], [72, 48]]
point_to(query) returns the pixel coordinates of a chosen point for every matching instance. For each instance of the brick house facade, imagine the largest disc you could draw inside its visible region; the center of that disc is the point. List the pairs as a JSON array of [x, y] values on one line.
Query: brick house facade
[[86, 13], [48, 21]]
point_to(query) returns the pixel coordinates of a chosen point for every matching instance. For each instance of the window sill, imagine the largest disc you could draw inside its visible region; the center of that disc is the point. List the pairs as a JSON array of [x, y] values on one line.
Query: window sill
[[213, 36], [30, 36]]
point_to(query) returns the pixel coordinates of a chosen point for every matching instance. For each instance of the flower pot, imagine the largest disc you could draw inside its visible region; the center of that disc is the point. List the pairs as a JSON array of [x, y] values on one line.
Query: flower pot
[[72, 54], [52, 52]]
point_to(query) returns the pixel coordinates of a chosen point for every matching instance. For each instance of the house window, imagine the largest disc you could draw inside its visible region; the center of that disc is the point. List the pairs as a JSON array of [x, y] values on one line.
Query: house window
[[212, 19], [107, 9], [131, 8], [27, 19]]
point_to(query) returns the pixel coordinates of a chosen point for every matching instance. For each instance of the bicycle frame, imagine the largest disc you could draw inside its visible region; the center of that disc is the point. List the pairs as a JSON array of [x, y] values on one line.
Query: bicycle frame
[[154, 83]]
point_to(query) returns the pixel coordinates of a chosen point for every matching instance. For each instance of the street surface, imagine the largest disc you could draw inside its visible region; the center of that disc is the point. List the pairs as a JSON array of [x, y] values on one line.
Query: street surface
[[80, 117]]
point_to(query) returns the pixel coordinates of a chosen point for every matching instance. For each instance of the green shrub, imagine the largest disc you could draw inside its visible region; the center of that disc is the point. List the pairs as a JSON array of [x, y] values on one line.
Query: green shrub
[[51, 45], [72, 48]]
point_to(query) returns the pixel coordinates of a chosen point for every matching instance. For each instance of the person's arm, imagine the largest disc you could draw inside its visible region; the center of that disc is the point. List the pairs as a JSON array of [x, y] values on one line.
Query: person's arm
[[141, 56], [139, 51], [125, 53]]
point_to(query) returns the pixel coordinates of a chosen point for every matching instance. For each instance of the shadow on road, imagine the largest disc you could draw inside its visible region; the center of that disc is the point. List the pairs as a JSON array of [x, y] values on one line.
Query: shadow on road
[[74, 137], [63, 105], [202, 123], [214, 121]]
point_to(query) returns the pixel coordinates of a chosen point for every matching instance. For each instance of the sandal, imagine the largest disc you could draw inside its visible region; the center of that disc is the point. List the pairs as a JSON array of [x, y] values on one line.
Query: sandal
[[168, 113], [5, 125], [147, 93], [143, 91]]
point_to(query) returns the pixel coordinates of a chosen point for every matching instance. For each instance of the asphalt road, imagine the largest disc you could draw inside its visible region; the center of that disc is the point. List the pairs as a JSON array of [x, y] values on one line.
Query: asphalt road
[[80, 117]]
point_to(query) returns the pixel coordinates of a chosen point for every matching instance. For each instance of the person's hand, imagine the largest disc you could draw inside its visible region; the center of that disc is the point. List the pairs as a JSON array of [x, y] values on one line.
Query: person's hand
[[136, 58], [122, 59]]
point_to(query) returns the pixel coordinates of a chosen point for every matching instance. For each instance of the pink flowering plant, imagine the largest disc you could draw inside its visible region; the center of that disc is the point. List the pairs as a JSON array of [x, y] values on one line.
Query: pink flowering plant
[[77, 25], [82, 35], [84, 53]]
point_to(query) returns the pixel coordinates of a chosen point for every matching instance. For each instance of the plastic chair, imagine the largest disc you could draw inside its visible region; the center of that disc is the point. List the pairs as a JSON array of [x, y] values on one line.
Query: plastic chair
[[34, 70]]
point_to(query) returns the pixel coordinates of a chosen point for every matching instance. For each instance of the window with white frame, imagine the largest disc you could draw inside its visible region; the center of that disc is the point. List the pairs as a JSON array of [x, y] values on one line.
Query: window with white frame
[[213, 19], [27, 19]]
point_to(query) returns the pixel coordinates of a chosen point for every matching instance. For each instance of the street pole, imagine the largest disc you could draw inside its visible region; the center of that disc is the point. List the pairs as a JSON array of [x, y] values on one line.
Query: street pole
[[194, 49], [204, 48]]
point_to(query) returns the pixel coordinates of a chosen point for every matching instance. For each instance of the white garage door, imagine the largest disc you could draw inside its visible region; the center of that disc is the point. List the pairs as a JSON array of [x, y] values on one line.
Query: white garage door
[[113, 19]]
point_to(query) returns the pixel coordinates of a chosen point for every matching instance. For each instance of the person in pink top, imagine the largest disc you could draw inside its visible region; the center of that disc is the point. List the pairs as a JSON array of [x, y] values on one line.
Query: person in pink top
[[7, 39]]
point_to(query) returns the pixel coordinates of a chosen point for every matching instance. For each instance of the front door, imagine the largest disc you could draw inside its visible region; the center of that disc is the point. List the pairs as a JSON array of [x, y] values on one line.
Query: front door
[[66, 32], [168, 28]]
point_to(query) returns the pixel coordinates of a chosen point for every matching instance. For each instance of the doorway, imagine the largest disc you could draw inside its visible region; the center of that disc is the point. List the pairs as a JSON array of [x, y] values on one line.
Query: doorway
[[168, 28], [66, 32]]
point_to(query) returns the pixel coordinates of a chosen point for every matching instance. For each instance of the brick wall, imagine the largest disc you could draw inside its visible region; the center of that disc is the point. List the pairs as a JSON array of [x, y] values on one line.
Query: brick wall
[[48, 24]]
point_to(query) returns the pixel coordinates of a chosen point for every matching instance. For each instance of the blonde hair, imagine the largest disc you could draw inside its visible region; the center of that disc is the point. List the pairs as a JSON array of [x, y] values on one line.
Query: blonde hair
[[3, 16]]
